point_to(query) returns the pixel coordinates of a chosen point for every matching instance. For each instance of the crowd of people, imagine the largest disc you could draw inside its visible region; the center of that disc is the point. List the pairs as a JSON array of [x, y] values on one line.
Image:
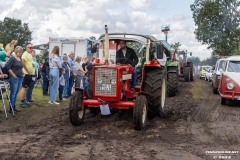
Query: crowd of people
[[58, 77]]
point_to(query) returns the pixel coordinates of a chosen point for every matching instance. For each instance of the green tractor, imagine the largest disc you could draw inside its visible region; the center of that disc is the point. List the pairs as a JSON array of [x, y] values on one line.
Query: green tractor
[[172, 67]]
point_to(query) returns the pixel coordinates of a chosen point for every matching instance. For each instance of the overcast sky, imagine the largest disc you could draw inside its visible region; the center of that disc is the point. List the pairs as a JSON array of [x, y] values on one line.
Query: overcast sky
[[85, 18]]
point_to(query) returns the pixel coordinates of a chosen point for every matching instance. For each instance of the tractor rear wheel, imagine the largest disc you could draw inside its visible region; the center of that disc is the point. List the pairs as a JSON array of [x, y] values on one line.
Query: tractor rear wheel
[[172, 87], [191, 73], [187, 74], [140, 112], [155, 87], [76, 113]]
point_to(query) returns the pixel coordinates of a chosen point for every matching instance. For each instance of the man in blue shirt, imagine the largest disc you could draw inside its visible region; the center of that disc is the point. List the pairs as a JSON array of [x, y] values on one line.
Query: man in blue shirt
[[73, 71]]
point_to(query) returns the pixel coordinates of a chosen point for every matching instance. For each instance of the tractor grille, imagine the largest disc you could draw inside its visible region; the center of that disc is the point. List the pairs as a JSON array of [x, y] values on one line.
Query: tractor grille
[[104, 82]]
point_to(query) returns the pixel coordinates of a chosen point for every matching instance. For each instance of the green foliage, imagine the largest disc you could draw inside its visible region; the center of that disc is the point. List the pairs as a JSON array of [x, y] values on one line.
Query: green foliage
[[176, 46], [195, 60], [11, 28], [217, 24], [92, 38], [210, 61]]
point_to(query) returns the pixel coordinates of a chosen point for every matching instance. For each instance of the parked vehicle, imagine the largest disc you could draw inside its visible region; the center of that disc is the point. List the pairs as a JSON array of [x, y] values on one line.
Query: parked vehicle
[[111, 84], [216, 75], [229, 86], [203, 71], [80, 46], [209, 74]]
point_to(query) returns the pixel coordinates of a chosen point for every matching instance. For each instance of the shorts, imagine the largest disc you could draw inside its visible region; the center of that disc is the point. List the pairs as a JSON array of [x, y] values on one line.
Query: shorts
[[26, 80]]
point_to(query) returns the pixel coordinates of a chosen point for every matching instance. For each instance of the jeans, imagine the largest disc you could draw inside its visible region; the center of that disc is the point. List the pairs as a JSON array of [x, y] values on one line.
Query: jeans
[[29, 91], [45, 84], [71, 82], [134, 80], [60, 92], [54, 78], [15, 85], [65, 90]]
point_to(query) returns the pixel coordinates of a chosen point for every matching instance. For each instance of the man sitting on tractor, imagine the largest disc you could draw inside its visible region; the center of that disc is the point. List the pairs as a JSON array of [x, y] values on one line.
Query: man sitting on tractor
[[126, 55]]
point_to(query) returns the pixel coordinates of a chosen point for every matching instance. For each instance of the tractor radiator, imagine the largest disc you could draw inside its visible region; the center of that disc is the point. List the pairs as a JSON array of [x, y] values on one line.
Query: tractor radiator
[[105, 82]]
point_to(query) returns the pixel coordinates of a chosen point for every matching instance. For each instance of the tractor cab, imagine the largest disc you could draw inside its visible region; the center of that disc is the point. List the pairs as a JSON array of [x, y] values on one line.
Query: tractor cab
[[111, 81]]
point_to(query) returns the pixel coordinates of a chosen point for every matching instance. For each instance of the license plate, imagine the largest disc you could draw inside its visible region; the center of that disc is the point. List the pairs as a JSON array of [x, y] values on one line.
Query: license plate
[[105, 87], [105, 110], [238, 98]]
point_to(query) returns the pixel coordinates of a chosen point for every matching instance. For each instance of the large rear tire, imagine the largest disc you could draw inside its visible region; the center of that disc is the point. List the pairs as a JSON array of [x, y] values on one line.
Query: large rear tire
[[76, 114], [140, 112], [172, 82], [155, 87], [191, 73], [187, 74]]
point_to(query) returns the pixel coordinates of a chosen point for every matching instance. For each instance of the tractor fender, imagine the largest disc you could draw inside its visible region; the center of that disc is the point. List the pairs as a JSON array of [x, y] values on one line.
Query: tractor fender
[[172, 69]]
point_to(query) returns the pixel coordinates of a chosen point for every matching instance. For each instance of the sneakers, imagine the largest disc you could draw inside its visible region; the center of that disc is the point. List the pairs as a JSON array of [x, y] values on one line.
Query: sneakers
[[64, 99], [53, 103], [24, 104]]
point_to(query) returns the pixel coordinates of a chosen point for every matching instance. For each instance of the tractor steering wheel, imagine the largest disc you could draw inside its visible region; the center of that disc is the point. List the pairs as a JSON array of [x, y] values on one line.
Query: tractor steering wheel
[[124, 61]]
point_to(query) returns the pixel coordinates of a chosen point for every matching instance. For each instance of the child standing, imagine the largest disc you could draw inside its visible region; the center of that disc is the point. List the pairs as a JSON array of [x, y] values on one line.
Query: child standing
[[61, 84]]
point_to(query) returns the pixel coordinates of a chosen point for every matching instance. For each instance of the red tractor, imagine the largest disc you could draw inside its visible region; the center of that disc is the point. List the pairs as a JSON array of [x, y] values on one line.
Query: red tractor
[[111, 83], [186, 67]]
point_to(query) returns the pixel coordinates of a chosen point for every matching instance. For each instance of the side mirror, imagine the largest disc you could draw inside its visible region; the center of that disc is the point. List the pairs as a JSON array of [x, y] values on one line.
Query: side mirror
[[190, 53]]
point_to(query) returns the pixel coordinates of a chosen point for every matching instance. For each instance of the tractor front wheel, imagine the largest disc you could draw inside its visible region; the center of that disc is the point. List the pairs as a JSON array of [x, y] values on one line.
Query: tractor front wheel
[[76, 113], [140, 112]]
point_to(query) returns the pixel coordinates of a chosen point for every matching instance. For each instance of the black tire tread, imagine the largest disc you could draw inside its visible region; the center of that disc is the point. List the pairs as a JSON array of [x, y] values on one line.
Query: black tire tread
[[138, 111], [186, 74], [75, 105], [153, 87], [172, 84]]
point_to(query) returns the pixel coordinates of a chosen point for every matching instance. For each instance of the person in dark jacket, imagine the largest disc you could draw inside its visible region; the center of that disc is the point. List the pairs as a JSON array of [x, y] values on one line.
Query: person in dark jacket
[[45, 77], [126, 55]]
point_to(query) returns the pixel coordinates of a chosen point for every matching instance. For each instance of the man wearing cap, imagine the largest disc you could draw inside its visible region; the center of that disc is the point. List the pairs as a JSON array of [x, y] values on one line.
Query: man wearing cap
[[29, 72]]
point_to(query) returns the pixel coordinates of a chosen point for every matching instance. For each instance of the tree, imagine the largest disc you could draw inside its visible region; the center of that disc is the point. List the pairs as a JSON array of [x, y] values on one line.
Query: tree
[[195, 60], [11, 28], [217, 24], [176, 46], [92, 38]]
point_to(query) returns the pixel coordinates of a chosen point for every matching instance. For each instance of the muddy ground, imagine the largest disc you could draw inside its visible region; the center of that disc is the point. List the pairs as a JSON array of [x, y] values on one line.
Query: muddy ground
[[195, 126]]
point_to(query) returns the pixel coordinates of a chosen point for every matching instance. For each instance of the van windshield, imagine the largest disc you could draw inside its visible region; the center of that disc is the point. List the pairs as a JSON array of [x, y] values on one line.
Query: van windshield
[[233, 66]]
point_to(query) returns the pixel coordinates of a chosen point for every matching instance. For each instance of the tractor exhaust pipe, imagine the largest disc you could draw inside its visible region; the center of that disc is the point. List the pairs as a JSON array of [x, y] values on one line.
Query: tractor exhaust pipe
[[106, 45]]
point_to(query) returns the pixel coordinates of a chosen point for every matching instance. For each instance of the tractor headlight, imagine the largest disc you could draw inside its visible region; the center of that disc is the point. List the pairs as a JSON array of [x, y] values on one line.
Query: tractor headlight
[[113, 81], [230, 86], [99, 81]]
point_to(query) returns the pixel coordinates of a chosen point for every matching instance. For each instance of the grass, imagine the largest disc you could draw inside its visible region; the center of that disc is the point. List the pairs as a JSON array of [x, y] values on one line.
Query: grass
[[197, 91]]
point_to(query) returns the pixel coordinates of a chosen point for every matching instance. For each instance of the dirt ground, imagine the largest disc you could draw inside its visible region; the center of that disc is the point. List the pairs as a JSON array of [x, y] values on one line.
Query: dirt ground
[[197, 126]]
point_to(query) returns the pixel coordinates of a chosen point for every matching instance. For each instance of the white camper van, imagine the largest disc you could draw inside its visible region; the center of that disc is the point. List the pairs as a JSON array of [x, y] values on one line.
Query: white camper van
[[80, 46]]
